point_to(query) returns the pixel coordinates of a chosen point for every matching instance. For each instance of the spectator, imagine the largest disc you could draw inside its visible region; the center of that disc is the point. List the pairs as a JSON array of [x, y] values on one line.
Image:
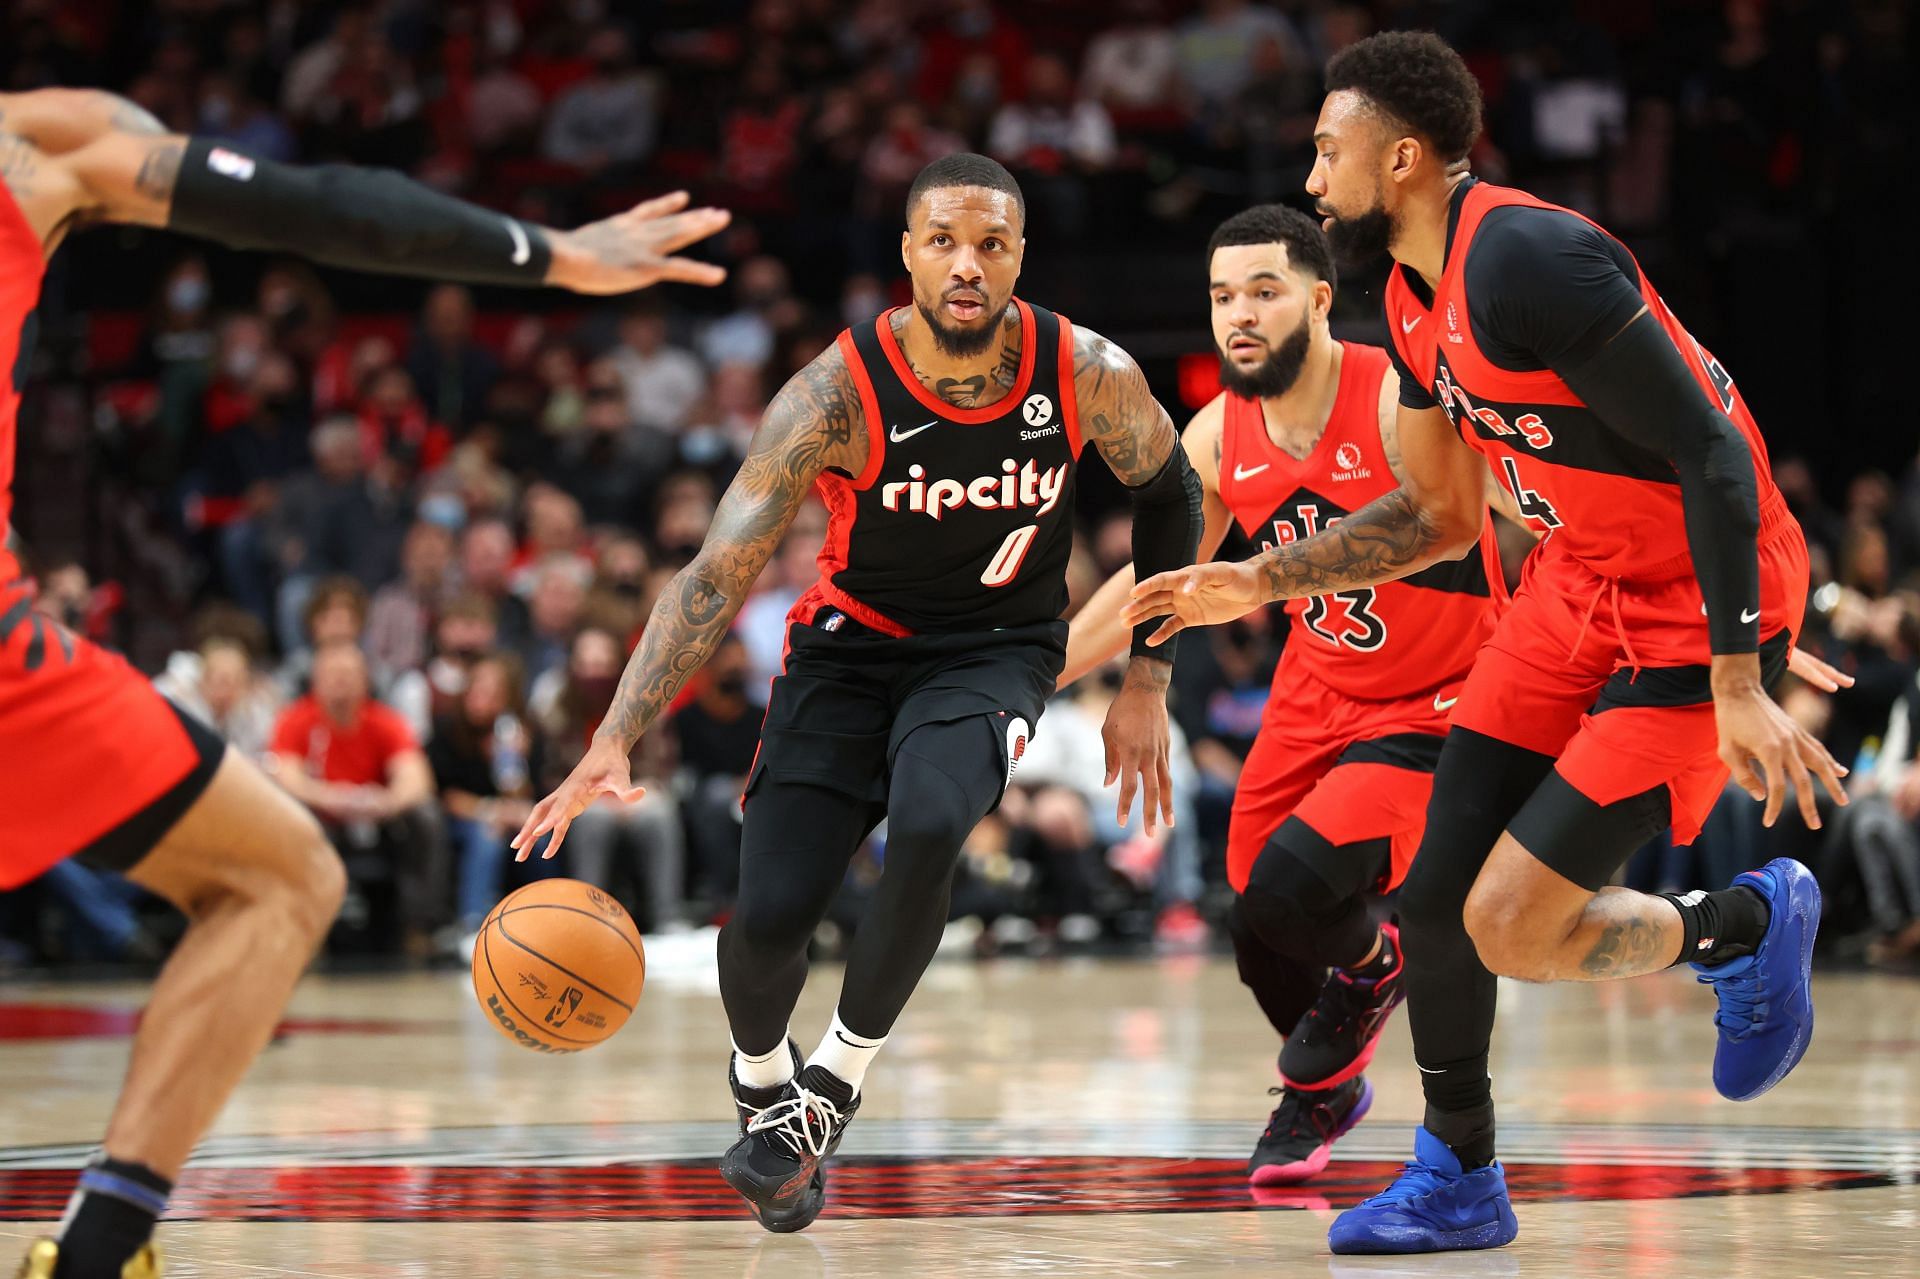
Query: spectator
[[480, 758], [662, 381], [399, 438], [556, 529], [503, 108], [905, 144], [353, 762], [558, 602], [716, 734], [967, 28], [242, 472], [217, 684], [401, 616], [1217, 48], [766, 309], [608, 122], [334, 612], [608, 468], [229, 113], [1052, 140], [464, 632], [331, 520], [650, 827], [452, 372], [486, 567], [760, 141], [1133, 68]]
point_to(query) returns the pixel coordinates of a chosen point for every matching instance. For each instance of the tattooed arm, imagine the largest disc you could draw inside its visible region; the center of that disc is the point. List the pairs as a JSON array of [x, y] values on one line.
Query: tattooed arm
[[810, 426], [116, 163], [1136, 437], [1435, 514]]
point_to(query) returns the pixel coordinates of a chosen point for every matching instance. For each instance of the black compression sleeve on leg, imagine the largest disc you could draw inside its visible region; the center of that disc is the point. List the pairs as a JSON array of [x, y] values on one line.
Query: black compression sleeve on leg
[[1167, 519], [345, 216]]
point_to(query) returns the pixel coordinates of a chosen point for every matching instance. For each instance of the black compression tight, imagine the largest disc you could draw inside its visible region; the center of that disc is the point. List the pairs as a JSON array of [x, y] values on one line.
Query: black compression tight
[[1479, 786], [794, 849]]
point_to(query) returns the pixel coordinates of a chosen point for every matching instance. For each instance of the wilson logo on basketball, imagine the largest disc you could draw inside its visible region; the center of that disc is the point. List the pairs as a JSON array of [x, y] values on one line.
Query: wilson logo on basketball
[[518, 1035]]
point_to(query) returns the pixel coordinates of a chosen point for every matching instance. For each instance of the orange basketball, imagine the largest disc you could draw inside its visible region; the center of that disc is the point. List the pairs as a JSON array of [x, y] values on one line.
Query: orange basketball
[[558, 966]]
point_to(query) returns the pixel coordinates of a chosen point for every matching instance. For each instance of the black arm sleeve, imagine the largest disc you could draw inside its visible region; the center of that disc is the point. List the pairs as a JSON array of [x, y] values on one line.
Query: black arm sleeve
[[1553, 291], [1639, 385], [361, 219], [1168, 515]]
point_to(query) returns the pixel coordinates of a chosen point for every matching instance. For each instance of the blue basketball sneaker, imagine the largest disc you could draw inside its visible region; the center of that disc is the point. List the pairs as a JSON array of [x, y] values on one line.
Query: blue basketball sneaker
[[1766, 1006], [1432, 1207]]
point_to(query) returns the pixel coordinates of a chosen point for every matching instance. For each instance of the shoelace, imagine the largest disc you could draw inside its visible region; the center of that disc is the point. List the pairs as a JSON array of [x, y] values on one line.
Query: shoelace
[[1319, 1114], [1416, 1178], [790, 1121], [1743, 1001]]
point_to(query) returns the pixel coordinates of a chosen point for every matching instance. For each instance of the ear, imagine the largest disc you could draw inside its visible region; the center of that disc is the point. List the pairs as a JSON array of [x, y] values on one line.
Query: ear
[[906, 239], [1322, 300], [1403, 157]]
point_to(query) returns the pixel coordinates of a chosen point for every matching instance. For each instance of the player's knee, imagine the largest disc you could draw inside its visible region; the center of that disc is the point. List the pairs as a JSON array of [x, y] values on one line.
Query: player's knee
[[924, 835], [1274, 918], [767, 933], [1497, 924], [312, 882]]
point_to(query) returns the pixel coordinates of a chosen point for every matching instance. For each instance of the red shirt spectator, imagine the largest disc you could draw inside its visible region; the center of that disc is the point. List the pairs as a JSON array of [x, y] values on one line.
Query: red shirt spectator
[[356, 752]]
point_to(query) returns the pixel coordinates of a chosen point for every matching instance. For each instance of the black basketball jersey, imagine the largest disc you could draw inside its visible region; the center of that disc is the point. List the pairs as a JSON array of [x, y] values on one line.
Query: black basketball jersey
[[963, 518]]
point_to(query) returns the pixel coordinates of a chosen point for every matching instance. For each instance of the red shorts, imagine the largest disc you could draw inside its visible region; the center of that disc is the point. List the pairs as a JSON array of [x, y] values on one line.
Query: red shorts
[[92, 760], [1352, 770], [1611, 675]]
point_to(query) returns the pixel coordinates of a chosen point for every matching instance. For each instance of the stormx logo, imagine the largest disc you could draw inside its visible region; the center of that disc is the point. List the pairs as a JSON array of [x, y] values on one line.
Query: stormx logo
[[1015, 487]]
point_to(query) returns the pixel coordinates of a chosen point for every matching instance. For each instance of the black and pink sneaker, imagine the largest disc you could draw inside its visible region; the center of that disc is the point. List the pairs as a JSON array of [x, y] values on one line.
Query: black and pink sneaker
[[1299, 1138], [1334, 1042]]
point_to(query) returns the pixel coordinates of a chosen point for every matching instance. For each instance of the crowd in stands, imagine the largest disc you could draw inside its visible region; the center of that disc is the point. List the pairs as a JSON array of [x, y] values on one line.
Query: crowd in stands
[[396, 541]]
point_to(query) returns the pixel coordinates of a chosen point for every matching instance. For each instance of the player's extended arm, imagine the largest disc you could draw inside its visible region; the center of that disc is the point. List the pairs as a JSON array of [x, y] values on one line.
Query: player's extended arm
[[1097, 634], [1436, 514], [808, 427], [126, 168], [1136, 437]]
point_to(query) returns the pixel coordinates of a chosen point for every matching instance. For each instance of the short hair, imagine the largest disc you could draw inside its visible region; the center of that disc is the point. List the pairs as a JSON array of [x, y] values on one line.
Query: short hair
[[966, 169], [1417, 78], [336, 590], [1278, 224]]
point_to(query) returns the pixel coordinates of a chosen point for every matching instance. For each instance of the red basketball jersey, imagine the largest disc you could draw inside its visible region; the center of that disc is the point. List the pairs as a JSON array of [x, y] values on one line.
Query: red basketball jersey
[[1378, 643], [1607, 502], [21, 267]]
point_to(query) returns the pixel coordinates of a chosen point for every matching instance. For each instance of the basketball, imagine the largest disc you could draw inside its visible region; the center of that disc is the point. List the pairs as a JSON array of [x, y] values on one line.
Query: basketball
[[558, 966]]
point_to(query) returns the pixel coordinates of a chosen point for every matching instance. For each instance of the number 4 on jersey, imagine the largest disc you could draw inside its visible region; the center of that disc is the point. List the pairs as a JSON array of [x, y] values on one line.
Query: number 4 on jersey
[[1531, 504]]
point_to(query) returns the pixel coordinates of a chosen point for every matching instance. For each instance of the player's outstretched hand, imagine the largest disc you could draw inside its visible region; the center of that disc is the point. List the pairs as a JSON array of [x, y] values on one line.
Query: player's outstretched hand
[[602, 771], [1816, 672], [1199, 595], [634, 249], [1754, 730], [1138, 740]]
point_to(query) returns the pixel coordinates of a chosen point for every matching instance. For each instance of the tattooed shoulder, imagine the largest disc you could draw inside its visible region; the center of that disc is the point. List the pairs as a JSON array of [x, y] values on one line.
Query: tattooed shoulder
[[1117, 410]]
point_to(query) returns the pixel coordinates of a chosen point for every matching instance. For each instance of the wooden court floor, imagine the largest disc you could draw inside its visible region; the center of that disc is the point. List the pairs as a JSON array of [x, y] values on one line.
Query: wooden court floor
[[1079, 1118]]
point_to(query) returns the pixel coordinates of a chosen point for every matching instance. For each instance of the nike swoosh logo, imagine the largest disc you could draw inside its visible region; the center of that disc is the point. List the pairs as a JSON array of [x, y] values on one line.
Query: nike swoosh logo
[[1407, 326], [1243, 472], [1442, 706], [851, 1043], [897, 435], [1425, 1071], [1750, 615], [521, 249]]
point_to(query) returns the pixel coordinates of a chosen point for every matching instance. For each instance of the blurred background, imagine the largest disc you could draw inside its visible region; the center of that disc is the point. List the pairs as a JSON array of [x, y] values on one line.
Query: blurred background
[[226, 460]]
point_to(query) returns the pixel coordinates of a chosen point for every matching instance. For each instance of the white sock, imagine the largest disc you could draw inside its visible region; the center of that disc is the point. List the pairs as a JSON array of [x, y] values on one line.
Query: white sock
[[846, 1054], [770, 1071]]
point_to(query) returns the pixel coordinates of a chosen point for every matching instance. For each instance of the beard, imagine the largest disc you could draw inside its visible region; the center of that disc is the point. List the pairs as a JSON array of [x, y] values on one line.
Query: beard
[[1359, 240], [961, 343], [1274, 375]]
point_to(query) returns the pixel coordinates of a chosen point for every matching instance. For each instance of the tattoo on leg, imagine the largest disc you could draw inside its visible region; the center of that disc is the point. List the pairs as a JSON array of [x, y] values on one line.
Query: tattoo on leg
[[1626, 948]]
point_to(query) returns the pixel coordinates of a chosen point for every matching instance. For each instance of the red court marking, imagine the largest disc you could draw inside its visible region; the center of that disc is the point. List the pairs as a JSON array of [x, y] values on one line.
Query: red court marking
[[859, 1187], [79, 1021]]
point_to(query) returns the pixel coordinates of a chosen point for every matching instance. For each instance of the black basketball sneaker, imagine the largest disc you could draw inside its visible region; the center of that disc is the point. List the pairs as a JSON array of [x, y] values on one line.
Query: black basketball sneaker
[[1301, 1132], [1334, 1042], [777, 1165], [749, 1104]]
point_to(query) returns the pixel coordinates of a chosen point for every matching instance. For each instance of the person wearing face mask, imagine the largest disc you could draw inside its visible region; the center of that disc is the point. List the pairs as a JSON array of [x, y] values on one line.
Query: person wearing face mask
[[716, 733], [464, 630], [649, 831], [480, 753]]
